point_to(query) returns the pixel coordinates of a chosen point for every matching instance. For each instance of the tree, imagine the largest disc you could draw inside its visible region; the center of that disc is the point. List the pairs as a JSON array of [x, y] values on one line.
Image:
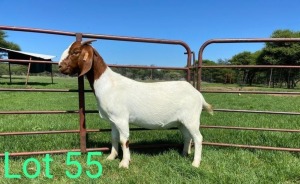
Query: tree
[[245, 58], [226, 75], [208, 74], [7, 44], [219, 75], [282, 53]]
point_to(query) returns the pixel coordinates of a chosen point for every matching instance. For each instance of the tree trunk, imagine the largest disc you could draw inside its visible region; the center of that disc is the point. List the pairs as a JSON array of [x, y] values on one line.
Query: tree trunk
[[270, 78]]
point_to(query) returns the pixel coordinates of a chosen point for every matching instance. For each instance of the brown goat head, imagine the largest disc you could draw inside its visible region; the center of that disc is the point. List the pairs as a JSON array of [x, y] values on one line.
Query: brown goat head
[[78, 58]]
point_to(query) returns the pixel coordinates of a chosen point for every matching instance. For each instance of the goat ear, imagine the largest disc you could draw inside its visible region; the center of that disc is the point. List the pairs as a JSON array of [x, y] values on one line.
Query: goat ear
[[86, 59], [87, 42]]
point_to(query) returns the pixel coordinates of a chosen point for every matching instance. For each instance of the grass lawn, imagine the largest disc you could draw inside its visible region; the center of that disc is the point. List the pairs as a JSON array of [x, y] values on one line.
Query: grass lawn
[[219, 164]]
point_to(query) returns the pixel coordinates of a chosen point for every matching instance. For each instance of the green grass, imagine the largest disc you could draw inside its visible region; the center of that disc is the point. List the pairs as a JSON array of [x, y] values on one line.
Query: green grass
[[219, 165]]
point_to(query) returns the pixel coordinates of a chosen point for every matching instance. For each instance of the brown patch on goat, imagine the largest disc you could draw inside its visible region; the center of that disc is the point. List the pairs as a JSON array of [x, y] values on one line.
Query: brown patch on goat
[[69, 65], [97, 69], [99, 65], [127, 144], [85, 60]]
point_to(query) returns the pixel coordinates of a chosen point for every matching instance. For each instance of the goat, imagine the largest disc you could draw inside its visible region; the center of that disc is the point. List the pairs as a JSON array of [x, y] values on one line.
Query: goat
[[158, 105]]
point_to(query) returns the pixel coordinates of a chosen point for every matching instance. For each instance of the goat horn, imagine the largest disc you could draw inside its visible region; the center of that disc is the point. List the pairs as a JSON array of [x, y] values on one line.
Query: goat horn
[[87, 42]]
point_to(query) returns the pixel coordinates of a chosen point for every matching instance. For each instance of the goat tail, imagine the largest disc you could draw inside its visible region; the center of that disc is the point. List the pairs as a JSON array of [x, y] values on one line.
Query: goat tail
[[207, 106]]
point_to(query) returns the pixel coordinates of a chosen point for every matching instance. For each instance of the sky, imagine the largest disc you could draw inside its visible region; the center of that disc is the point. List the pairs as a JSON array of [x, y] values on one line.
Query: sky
[[191, 21]]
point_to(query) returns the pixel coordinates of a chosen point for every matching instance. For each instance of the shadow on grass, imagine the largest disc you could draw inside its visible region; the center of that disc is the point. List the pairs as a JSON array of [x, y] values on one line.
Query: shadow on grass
[[142, 147]]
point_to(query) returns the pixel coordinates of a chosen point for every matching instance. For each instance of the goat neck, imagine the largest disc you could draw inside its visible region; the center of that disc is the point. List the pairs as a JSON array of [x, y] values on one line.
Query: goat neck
[[98, 68]]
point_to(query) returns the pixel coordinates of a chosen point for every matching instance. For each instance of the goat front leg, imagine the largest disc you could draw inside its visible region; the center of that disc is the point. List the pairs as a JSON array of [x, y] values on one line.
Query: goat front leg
[[124, 136], [115, 137], [126, 153]]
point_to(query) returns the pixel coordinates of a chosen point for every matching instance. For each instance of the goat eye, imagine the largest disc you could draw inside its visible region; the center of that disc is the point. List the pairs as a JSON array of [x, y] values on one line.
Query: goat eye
[[75, 53]]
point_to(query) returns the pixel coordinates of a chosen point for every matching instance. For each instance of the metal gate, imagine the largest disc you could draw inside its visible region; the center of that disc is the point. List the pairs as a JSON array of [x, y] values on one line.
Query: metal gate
[[199, 72], [81, 111], [193, 74]]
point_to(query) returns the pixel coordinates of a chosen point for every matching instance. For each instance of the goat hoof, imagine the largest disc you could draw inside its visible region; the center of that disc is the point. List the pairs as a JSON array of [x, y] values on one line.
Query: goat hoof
[[111, 157], [196, 164], [185, 154], [124, 164]]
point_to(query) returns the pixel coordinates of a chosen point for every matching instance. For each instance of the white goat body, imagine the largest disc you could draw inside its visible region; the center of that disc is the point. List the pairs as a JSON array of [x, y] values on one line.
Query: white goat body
[[158, 105], [121, 100]]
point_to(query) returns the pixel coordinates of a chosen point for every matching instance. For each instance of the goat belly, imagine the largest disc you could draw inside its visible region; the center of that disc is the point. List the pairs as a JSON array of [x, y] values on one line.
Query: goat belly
[[150, 116], [155, 125]]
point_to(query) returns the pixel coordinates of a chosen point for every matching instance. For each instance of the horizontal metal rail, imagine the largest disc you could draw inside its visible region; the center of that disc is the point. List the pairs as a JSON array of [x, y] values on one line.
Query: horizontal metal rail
[[40, 90], [148, 67], [251, 92], [19, 61], [138, 146], [69, 131], [109, 37], [257, 111], [95, 111], [38, 132], [39, 112], [144, 129], [53, 152], [250, 66], [250, 128], [104, 37], [46, 112], [22, 61], [252, 147]]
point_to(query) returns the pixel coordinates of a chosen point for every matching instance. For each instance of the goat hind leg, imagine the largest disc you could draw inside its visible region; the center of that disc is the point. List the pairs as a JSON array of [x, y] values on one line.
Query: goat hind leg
[[187, 140], [194, 131], [197, 138]]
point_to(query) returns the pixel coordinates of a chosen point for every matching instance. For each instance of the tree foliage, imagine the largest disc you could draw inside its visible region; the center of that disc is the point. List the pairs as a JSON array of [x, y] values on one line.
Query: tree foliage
[[150, 74], [282, 53], [273, 53], [7, 44], [247, 74]]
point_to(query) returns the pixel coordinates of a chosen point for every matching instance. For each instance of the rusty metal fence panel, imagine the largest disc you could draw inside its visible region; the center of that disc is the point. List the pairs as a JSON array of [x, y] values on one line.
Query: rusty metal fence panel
[[198, 86], [82, 131]]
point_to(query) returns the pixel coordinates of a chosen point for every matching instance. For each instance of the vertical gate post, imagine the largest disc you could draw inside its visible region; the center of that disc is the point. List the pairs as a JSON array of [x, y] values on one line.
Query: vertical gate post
[[28, 71], [9, 72], [189, 53], [194, 68], [190, 65], [81, 107], [199, 68]]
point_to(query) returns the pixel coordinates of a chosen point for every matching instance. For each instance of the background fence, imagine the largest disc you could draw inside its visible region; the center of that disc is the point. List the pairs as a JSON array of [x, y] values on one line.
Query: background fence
[[193, 74]]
